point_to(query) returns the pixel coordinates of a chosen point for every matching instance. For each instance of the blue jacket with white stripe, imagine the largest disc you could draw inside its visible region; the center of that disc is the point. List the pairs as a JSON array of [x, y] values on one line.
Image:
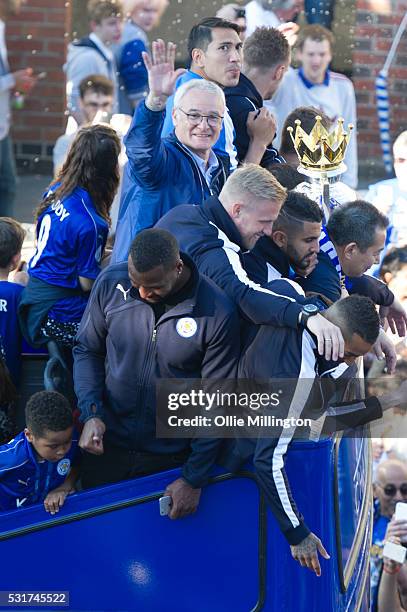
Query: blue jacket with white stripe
[[25, 480], [209, 236], [311, 388]]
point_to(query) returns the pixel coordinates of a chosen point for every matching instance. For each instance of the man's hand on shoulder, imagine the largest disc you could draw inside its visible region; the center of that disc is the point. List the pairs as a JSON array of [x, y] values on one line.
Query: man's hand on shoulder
[[91, 439], [330, 340], [185, 499], [306, 553]]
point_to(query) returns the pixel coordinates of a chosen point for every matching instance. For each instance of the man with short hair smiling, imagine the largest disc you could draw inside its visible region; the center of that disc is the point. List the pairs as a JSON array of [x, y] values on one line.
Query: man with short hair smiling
[[164, 172], [313, 84], [215, 51], [93, 54], [152, 317], [349, 245]]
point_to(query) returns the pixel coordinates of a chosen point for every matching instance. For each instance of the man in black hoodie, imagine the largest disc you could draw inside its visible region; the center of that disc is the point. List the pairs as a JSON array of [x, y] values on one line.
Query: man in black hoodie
[[266, 57]]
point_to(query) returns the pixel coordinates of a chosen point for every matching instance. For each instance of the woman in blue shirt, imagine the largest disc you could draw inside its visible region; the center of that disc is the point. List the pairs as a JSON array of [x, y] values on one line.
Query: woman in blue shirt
[[72, 228]]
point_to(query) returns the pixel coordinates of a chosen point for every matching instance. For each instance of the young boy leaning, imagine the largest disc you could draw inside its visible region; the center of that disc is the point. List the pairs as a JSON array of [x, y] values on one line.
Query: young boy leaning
[[41, 463]]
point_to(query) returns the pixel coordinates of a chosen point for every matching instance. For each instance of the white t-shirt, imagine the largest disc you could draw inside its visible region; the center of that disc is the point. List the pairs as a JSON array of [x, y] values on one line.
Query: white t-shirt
[[257, 16]]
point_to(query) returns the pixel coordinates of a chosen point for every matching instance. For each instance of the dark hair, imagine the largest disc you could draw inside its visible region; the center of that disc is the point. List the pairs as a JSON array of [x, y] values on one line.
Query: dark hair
[[7, 429], [306, 114], [296, 210], [96, 83], [11, 240], [359, 316], [91, 163], [47, 410], [201, 34], [393, 261], [315, 32], [286, 175], [152, 248], [265, 48], [356, 222], [8, 391]]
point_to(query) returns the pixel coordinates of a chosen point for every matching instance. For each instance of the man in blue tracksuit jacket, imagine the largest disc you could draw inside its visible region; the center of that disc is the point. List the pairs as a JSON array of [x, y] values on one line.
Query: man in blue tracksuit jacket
[[153, 318], [179, 169], [216, 236], [269, 260], [310, 390]]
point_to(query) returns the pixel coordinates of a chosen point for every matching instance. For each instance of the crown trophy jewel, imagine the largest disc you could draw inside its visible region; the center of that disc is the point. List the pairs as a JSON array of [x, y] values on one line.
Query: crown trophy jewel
[[321, 154], [320, 151]]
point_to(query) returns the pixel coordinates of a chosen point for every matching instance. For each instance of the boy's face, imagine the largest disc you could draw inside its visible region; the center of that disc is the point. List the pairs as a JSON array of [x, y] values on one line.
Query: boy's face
[[93, 102], [146, 14], [109, 30], [52, 445], [315, 57]]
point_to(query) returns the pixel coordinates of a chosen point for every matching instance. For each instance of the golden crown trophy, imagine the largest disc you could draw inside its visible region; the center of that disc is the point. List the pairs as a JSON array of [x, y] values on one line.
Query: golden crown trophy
[[321, 154]]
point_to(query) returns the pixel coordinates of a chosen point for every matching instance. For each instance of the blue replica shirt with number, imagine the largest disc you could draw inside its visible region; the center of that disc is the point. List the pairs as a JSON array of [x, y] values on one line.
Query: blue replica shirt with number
[[10, 333], [71, 237], [25, 480]]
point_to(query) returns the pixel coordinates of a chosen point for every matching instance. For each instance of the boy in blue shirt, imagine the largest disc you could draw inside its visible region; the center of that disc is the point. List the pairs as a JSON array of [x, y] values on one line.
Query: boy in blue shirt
[[41, 463], [11, 242]]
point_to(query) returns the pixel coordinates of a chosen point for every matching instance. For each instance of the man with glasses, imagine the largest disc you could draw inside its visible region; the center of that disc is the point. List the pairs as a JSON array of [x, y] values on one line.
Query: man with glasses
[[389, 489], [215, 54], [178, 169]]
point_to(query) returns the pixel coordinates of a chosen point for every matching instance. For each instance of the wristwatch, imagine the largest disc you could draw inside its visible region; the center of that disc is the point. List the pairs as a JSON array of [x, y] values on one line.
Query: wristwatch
[[308, 310]]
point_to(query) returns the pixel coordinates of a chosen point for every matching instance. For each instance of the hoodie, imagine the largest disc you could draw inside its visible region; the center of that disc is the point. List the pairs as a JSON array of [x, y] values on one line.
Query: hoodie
[[85, 57], [242, 100]]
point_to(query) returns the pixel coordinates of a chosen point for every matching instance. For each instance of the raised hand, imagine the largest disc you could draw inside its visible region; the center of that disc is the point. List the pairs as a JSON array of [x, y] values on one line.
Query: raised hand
[[160, 67]]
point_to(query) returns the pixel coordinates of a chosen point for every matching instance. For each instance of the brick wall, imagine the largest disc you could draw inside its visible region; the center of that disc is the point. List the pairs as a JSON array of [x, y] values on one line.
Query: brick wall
[[376, 26], [37, 38]]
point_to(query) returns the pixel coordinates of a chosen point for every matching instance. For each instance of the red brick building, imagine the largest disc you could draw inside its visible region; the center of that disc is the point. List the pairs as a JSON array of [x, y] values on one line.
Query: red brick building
[[376, 26], [38, 38]]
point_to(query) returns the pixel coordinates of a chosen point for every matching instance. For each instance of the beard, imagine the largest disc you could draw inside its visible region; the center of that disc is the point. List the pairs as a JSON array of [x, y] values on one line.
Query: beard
[[298, 262]]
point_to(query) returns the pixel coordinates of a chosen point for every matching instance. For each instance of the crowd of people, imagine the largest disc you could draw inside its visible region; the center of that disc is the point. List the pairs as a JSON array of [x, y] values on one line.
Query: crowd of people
[[187, 245]]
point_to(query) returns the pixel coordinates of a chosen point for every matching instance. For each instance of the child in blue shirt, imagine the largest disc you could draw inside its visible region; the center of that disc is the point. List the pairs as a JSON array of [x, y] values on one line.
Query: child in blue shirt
[[41, 463], [72, 228], [11, 242]]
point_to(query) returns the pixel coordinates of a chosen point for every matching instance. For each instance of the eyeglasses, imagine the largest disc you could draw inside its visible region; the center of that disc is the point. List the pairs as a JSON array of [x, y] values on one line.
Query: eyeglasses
[[240, 13], [196, 118], [390, 489]]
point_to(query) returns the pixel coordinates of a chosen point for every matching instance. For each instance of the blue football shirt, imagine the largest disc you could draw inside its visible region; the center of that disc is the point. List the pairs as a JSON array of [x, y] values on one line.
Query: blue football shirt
[[10, 334], [71, 237]]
